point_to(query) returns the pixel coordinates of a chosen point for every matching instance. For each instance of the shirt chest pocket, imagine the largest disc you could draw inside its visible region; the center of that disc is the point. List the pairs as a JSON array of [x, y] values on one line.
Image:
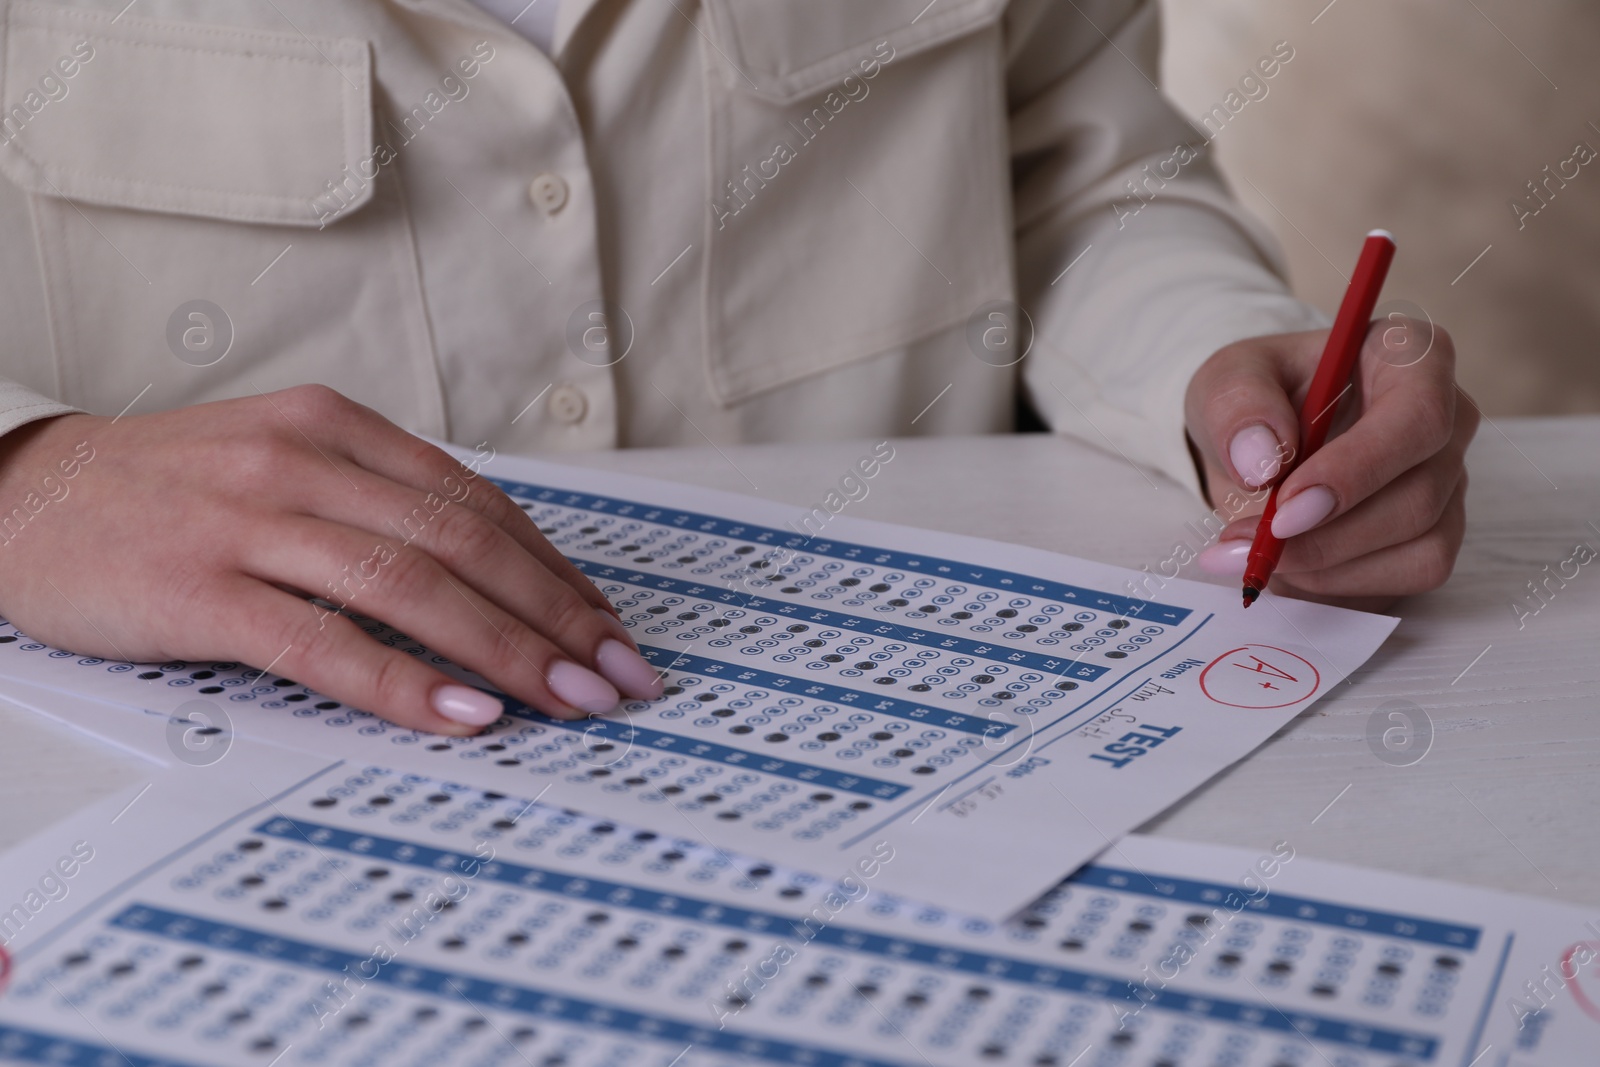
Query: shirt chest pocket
[[859, 194], [210, 219]]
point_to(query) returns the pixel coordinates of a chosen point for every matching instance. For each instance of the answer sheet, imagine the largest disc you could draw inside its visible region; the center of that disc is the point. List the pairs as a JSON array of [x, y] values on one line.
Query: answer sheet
[[996, 714], [278, 908]]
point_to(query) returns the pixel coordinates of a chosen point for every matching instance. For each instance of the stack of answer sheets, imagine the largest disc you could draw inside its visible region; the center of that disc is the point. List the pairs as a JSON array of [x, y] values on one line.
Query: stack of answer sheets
[[880, 817]]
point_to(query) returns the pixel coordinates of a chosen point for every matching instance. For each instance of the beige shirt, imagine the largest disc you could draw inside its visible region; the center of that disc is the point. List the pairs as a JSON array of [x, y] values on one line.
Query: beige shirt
[[723, 220]]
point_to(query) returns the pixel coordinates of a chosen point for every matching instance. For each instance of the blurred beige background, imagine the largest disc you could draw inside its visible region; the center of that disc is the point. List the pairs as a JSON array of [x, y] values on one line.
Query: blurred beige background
[[1425, 117]]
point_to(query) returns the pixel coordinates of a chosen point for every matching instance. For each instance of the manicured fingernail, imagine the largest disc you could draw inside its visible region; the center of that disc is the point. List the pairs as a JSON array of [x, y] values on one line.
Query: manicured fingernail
[[462, 703], [617, 626], [1255, 454], [627, 670], [1306, 510], [581, 688], [1225, 559]]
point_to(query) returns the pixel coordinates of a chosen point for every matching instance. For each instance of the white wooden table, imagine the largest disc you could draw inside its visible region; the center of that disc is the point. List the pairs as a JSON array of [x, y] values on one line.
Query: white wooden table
[[1507, 795]]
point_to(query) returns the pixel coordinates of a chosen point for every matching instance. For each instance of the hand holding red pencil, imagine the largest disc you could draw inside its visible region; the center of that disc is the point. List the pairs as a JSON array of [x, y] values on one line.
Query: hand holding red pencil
[[1330, 382], [1375, 513]]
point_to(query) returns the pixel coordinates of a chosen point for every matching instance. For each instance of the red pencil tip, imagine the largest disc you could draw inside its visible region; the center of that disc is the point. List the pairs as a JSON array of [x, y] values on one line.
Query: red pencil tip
[[1250, 595]]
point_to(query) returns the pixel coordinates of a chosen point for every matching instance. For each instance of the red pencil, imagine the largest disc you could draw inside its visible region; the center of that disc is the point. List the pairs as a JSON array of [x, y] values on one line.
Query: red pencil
[[1334, 372]]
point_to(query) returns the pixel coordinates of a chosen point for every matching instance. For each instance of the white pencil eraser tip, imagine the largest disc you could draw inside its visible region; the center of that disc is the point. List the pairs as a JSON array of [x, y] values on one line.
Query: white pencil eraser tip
[[1382, 233]]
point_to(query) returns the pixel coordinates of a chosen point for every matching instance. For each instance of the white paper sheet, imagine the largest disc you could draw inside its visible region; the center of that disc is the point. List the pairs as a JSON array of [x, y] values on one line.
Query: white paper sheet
[[264, 916], [1040, 707]]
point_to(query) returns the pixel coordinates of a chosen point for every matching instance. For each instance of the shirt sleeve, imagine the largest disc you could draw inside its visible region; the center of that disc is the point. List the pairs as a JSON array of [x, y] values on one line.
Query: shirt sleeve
[[1133, 261], [20, 405]]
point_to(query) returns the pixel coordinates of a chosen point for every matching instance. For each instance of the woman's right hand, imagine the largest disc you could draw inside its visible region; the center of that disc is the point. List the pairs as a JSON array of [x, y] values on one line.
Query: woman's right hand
[[196, 534]]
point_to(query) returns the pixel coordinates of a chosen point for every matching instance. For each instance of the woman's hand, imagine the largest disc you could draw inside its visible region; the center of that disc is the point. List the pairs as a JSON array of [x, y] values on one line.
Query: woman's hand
[[1375, 514], [195, 534]]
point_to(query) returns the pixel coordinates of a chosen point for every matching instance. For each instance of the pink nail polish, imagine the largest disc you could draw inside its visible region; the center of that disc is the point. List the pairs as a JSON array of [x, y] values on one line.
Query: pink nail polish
[[581, 688], [1225, 559], [627, 670], [1255, 454], [1307, 510], [462, 703]]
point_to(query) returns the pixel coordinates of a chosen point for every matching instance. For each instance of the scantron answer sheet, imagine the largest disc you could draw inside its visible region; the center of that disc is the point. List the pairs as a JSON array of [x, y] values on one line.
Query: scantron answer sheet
[[276, 908], [999, 714]]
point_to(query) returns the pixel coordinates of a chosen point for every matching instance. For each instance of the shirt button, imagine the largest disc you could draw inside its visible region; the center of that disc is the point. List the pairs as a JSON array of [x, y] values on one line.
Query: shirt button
[[548, 193], [568, 404]]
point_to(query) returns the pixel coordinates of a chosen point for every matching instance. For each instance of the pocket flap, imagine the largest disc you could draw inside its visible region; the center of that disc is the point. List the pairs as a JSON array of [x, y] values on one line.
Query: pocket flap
[[227, 123], [786, 50]]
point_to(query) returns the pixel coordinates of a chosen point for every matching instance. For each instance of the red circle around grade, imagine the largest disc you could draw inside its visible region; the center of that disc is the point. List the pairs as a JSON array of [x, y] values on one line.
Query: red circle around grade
[[1270, 668], [5, 968], [1579, 997]]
